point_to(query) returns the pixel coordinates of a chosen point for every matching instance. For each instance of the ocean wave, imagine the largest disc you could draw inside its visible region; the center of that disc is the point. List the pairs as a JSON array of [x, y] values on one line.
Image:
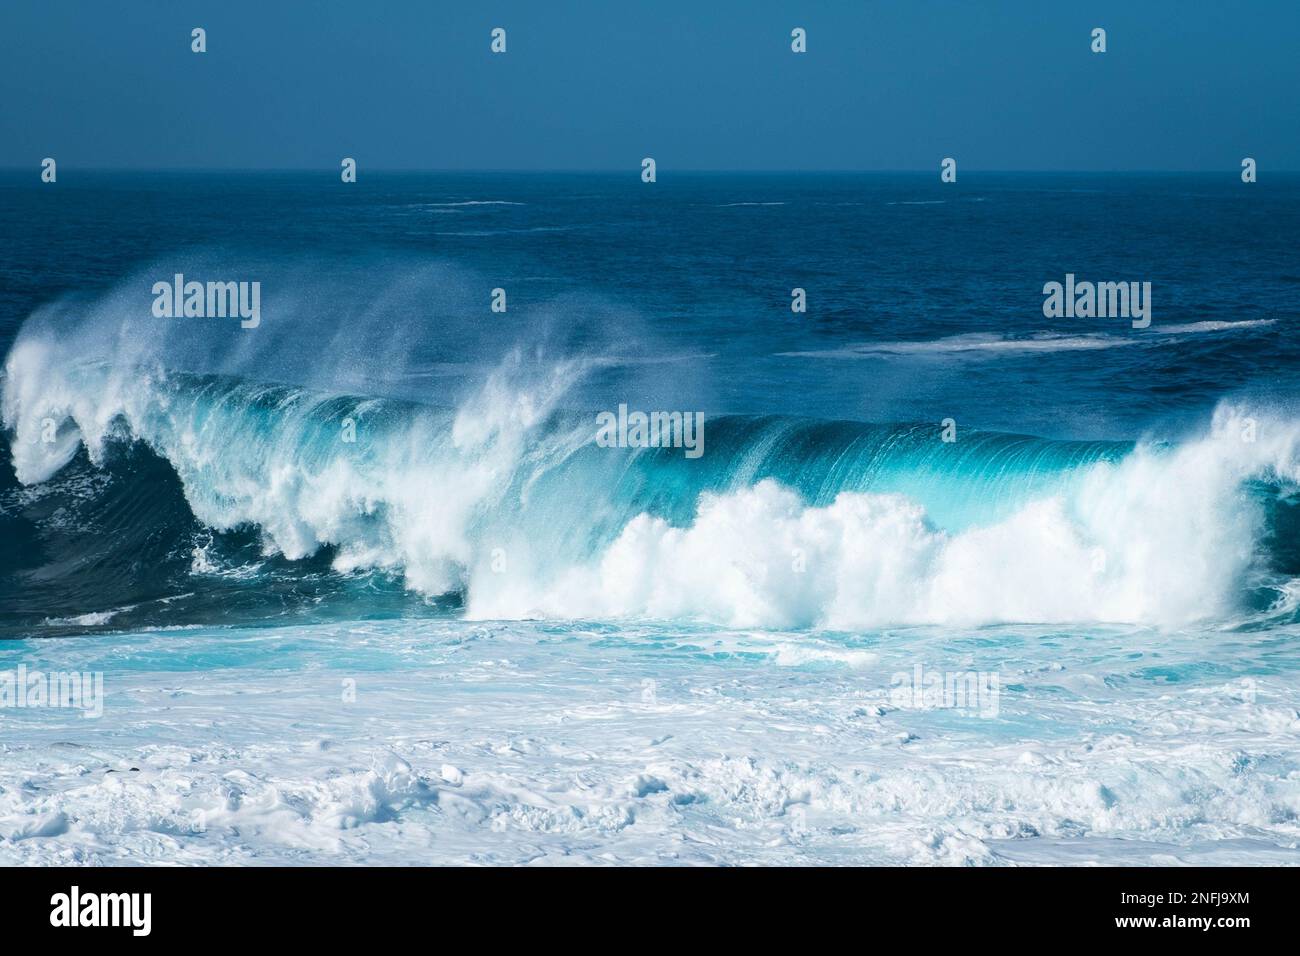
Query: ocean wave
[[507, 502]]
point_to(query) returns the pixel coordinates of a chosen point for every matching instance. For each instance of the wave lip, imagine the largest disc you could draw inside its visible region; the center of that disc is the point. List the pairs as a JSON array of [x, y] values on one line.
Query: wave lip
[[1159, 537]]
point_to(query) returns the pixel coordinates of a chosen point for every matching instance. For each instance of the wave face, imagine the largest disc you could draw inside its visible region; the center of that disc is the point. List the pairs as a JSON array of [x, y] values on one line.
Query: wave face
[[505, 507]]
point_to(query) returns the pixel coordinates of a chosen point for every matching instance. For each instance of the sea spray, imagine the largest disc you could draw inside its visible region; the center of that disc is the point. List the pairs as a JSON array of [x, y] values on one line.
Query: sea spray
[[786, 523]]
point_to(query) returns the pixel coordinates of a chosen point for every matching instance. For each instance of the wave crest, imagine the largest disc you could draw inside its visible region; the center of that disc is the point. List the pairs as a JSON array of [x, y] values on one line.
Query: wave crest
[[507, 502]]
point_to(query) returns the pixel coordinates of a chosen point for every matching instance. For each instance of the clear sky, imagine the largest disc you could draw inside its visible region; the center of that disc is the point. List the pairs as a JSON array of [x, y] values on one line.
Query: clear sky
[[698, 84]]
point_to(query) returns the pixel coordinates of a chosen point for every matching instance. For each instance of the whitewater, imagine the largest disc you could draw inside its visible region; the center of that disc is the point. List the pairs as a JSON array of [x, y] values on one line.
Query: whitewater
[[453, 628], [510, 504]]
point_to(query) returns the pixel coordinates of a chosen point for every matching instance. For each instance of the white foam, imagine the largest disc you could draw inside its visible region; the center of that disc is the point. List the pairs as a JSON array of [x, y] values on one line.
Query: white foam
[[473, 202], [974, 343], [1163, 537], [977, 343], [93, 619], [512, 747], [1186, 328]]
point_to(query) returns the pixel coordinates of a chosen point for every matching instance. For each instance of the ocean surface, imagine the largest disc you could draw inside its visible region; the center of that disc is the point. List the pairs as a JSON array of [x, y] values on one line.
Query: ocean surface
[[364, 586]]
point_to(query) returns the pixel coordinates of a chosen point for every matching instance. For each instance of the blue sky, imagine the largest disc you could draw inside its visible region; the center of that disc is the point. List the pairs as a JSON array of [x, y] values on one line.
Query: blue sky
[[999, 84]]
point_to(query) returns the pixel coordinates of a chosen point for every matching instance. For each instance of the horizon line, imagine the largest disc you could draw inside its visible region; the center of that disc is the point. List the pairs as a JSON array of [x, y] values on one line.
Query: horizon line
[[634, 170]]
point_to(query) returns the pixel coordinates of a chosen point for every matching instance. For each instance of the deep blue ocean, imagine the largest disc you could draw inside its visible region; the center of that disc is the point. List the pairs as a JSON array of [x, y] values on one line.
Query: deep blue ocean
[[616, 653]]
